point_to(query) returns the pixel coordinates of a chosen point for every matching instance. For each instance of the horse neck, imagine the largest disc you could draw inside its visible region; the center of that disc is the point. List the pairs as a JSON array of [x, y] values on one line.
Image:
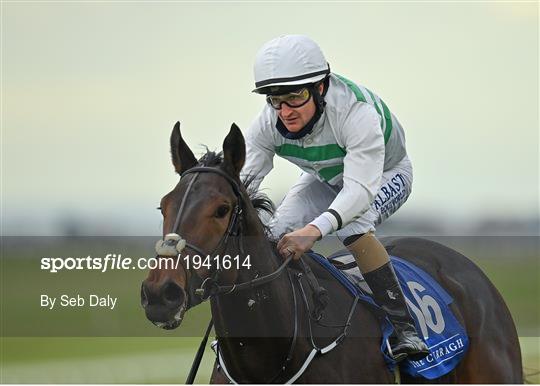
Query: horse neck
[[256, 244], [271, 312]]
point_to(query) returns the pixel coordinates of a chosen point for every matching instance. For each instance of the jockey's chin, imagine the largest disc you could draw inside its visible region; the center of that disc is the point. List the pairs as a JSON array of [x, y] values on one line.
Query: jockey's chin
[[293, 125]]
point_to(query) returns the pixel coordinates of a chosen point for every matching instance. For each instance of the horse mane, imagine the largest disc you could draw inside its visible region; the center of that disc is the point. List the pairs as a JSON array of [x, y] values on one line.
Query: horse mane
[[260, 201]]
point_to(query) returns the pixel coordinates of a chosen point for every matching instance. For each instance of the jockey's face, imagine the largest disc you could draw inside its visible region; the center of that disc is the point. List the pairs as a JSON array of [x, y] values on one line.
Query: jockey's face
[[295, 118]]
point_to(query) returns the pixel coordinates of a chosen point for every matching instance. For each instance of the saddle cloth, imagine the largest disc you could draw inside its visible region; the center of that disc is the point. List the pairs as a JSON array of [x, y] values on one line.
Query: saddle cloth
[[429, 305]]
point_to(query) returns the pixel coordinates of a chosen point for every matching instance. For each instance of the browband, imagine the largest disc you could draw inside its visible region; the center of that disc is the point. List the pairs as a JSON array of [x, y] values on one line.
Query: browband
[[206, 169]]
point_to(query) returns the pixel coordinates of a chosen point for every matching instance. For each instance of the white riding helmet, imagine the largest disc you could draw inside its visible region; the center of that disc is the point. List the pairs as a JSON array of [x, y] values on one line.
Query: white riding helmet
[[287, 61]]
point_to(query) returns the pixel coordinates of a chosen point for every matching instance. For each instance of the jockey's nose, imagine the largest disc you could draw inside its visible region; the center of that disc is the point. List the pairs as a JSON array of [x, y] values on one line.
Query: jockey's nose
[[286, 110]]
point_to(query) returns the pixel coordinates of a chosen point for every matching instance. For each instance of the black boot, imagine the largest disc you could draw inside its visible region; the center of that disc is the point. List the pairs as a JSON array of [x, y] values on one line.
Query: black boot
[[387, 293]]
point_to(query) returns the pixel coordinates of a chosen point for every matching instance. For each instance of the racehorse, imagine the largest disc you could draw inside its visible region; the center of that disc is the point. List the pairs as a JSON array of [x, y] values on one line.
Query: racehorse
[[272, 315]]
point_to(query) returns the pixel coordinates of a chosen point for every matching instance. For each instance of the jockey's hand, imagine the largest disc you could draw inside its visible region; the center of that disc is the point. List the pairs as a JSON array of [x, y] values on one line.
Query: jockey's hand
[[298, 242]]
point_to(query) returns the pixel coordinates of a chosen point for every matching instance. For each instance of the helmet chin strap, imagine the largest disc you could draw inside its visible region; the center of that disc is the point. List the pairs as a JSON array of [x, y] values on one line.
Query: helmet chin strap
[[319, 108]]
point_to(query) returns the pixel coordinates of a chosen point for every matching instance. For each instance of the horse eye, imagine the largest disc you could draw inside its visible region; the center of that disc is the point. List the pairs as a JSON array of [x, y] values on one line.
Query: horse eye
[[222, 211]]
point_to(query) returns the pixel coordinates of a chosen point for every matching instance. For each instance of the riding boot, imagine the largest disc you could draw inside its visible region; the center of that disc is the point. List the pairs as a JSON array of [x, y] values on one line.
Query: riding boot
[[379, 274], [388, 294]]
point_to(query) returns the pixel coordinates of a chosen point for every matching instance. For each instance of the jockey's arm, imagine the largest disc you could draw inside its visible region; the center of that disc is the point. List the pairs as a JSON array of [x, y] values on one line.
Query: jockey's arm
[[259, 152], [363, 139]]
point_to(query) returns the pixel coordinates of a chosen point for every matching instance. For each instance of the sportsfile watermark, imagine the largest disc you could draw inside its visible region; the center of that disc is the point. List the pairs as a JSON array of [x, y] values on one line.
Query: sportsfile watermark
[[93, 286], [115, 261]]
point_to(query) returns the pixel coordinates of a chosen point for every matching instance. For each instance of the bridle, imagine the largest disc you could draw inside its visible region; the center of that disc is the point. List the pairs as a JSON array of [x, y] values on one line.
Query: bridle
[[200, 289]]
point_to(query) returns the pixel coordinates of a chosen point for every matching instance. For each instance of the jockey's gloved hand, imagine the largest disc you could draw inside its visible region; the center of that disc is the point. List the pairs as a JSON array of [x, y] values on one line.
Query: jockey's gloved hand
[[299, 241]]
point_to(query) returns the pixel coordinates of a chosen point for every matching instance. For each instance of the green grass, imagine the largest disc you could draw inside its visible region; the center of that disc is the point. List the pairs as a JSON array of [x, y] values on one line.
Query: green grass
[[101, 360], [131, 360]]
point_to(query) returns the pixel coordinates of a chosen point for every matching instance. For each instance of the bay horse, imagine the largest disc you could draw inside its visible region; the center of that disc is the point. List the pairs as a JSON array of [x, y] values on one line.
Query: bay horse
[[267, 315]]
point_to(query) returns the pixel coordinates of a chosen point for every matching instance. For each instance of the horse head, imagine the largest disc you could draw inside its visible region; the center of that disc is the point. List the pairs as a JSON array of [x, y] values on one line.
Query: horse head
[[199, 215]]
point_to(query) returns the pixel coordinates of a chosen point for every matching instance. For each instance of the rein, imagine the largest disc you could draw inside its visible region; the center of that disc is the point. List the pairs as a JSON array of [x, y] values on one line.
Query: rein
[[315, 350]]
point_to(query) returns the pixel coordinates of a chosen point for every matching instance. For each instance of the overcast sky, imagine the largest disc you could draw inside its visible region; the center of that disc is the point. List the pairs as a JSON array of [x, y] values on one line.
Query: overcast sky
[[90, 92]]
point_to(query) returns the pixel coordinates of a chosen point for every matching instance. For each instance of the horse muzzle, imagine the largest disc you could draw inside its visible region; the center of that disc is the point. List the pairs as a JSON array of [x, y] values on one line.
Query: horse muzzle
[[165, 305]]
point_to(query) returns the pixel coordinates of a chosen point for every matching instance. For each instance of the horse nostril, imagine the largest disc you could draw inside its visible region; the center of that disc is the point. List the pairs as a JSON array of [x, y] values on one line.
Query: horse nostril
[[144, 296], [172, 293]]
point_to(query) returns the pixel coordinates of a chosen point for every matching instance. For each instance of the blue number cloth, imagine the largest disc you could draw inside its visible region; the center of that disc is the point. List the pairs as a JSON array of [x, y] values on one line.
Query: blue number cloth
[[429, 304]]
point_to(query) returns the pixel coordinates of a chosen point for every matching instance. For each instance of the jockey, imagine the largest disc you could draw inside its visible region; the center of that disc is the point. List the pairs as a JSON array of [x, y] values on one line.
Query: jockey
[[356, 172]]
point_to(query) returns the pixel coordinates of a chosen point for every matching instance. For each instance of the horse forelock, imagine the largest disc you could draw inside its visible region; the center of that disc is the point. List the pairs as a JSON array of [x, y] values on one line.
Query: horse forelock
[[211, 158], [260, 201]]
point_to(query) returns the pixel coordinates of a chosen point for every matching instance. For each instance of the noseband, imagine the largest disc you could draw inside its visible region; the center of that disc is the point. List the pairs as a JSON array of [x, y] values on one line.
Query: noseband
[[173, 244]]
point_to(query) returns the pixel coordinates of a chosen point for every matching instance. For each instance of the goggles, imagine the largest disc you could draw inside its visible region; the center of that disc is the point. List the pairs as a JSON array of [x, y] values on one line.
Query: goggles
[[292, 99]]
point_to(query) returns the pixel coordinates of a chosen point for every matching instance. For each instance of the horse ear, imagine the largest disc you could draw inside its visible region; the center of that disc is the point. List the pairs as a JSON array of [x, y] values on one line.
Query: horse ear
[[234, 150], [182, 156]]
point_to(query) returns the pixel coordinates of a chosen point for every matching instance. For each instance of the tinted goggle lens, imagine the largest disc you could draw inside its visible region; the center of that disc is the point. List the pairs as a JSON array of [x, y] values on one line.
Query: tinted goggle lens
[[292, 99]]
